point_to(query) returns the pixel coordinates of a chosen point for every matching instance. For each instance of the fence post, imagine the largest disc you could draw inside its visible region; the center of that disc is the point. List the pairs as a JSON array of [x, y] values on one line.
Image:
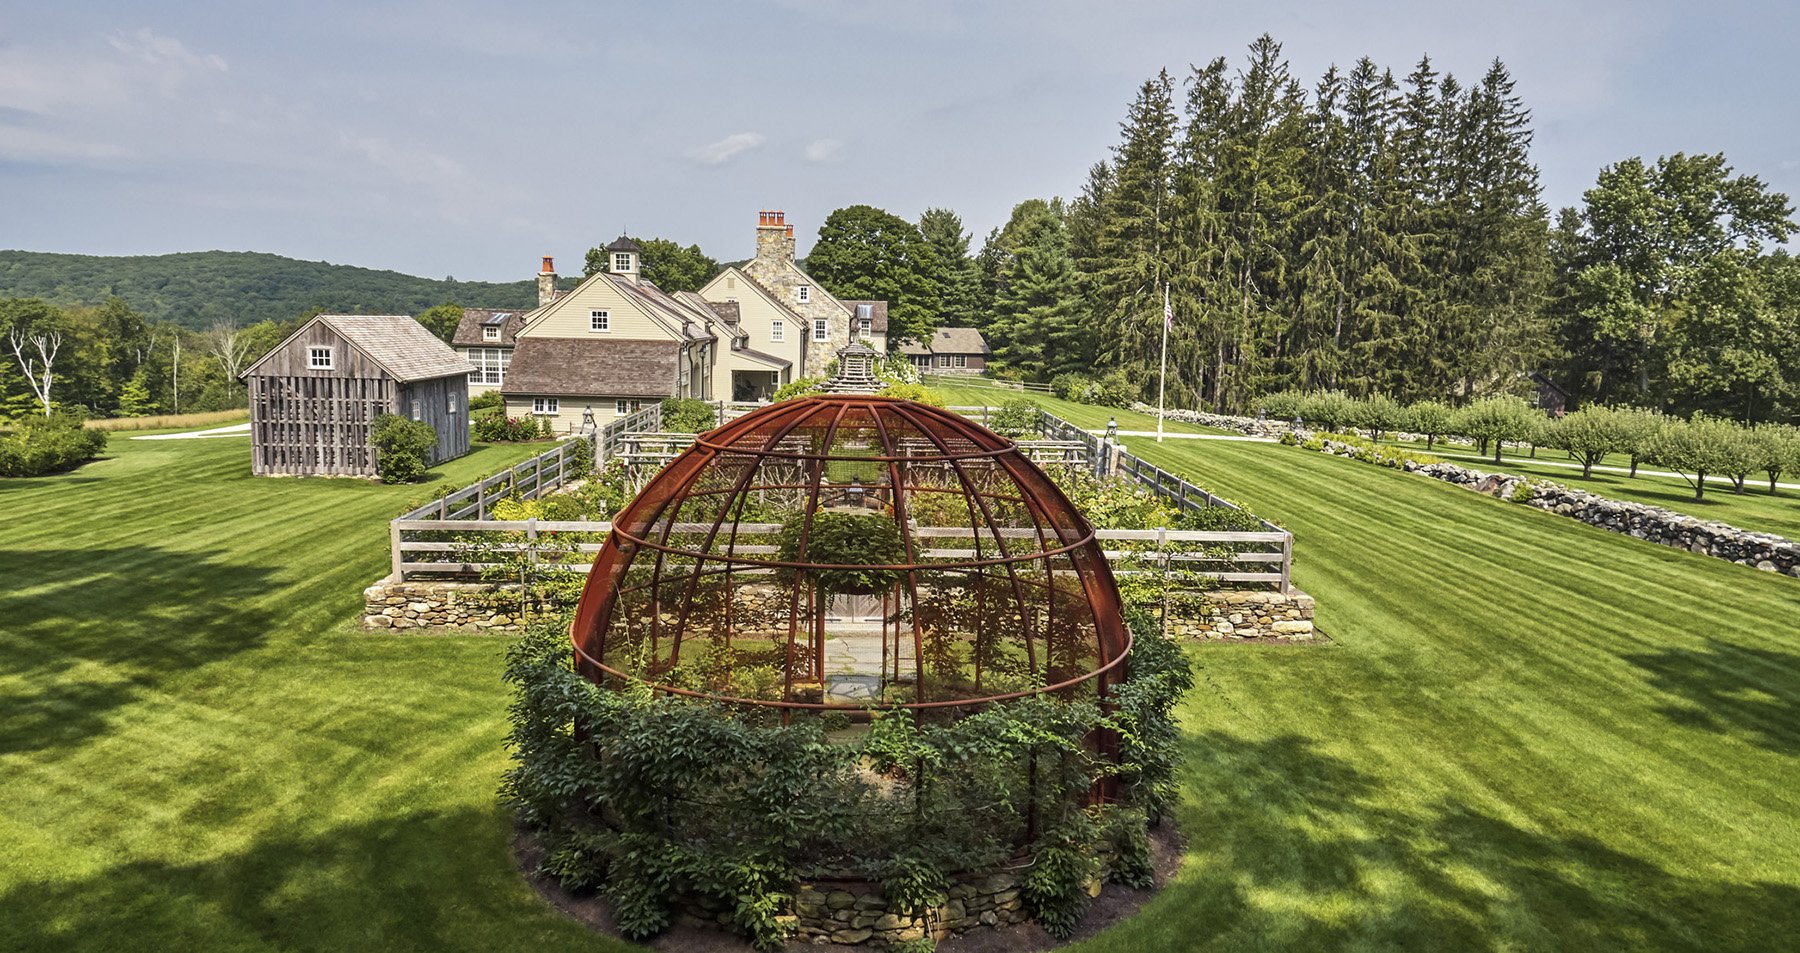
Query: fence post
[[395, 556], [1287, 560]]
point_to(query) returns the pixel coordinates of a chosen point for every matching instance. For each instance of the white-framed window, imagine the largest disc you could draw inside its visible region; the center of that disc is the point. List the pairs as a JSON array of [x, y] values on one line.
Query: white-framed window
[[804, 293], [621, 261], [544, 405], [452, 404], [490, 364], [821, 329], [599, 321], [621, 407], [943, 360], [418, 409], [959, 360], [777, 330], [320, 358], [868, 327], [490, 334]]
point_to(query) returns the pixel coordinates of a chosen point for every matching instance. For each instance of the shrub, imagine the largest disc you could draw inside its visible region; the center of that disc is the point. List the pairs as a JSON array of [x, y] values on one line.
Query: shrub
[[913, 392], [401, 447], [39, 445], [848, 539], [1283, 405], [799, 387], [687, 415], [1431, 418], [1115, 389], [1017, 417], [1069, 386], [486, 400], [496, 427]]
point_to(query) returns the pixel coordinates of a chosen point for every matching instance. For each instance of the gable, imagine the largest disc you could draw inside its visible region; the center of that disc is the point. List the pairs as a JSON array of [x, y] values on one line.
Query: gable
[[568, 316]]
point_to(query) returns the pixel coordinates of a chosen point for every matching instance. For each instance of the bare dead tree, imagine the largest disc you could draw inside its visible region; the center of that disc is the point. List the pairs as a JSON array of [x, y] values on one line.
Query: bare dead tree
[[225, 342], [39, 370]]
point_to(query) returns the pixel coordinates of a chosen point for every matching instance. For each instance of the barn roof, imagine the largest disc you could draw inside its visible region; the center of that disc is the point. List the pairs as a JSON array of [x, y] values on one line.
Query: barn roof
[[397, 342], [948, 341], [592, 367]]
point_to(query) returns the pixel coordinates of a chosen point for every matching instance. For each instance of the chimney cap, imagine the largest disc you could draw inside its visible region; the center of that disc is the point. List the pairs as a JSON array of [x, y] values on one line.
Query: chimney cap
[[790, 231], [549, 267]]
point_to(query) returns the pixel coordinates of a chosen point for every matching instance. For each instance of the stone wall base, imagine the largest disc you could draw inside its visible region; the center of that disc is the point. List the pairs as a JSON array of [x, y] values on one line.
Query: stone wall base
[[1233, 615], [460, 605]]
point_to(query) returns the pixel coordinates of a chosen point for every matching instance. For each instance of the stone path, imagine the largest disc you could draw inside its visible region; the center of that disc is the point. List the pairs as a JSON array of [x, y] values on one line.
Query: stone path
[[853, 663], [234, 430]]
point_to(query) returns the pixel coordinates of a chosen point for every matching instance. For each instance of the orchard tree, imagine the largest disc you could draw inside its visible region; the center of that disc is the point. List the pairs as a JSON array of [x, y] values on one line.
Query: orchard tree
[[1497, 420], [865, 252], [1694, 448], [1588, 434], [1431, 418], [1777, 450], [1378, 414]]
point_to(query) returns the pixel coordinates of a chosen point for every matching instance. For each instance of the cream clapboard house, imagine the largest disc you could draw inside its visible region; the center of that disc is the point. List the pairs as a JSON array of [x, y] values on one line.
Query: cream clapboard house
[[617, 342]]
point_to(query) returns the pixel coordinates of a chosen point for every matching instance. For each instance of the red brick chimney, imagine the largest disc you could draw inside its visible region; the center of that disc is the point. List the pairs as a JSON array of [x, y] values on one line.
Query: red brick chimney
[[547, 282], [774, 241]]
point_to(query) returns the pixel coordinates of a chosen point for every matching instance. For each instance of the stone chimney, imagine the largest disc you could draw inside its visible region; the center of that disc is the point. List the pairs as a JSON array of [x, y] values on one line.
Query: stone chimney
[[774, 238], [547, 282]]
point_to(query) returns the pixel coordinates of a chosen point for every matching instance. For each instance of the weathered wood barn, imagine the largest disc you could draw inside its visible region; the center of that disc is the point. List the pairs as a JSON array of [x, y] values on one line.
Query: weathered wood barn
[[313, 398]]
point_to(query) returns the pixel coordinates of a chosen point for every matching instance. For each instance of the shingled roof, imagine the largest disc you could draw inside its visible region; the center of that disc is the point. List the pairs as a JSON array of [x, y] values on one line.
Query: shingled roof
[[589, 367], [949, 341], [468, 330], [396, 342], [877, 314]]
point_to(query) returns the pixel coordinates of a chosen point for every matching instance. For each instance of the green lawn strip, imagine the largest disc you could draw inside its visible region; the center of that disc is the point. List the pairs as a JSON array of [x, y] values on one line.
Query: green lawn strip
[[1755, 509], [1531, 734], [1082, 415], [198, 753]]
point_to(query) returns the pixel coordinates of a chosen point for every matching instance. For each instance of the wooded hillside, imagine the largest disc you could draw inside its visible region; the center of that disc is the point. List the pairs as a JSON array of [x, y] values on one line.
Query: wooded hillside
[[198, 289]]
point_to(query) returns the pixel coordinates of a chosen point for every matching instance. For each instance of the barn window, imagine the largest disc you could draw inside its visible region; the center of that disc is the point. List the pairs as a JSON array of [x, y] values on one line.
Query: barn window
[[599, 321], [777, 330], [319, 358], [452, 406], [821, 330], [418, 409], [543, 405]]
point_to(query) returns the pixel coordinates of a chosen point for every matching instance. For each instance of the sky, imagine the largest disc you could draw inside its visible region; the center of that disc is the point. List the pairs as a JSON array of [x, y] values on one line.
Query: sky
[[469, 139]]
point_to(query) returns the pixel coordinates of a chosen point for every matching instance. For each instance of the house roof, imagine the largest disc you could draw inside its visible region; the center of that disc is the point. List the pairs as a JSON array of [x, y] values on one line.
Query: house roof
[[396, 342], [726, 310], [624, 243], [763, 358], [877, 314], [589, 367], [468, 330], [949, 341]]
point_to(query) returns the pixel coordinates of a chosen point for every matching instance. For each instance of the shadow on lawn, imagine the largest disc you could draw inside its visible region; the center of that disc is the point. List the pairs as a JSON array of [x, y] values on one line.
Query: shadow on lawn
[[1292, 848], [1749, 693], [112, 623], [400, 883]]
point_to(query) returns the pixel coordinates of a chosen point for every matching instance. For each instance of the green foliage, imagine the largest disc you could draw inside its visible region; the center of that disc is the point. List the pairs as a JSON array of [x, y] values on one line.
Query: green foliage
[[134, 397], [1777, 450], [917, 393], [1588, 434], [1431, 418], [1055, 885], [688, 415], [1328, 410], [494, 426], [197, 289], [487, 400], [1284, 405], [442, 320], [664, 263], [39, 445], [866, 253], [799, 387], [957, 278], [843, 539], [402, 447], [1034, 325], [1114, 389], [1378, 414], [1703, 445], [1017, 417], [1497, 420]]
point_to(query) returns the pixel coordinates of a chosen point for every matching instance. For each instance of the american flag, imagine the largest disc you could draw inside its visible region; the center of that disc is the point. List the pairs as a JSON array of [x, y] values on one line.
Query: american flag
[[1168, 315]]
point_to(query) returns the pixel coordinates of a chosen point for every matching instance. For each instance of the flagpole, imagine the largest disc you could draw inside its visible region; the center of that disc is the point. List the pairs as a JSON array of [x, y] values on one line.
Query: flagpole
[[1162, 381]]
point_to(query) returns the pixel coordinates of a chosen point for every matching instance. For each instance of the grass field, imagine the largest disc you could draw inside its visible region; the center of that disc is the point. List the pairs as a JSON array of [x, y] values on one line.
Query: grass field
[[1528, 734], [976, 393]]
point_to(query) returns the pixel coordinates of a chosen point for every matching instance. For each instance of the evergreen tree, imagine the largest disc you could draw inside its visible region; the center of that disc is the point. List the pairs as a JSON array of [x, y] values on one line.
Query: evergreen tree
[[1036, 329], [956, 277]]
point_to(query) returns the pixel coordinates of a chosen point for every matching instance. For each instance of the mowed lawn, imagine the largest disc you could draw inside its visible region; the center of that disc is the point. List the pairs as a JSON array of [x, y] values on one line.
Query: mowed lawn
[[197, 753], [1527, 734]]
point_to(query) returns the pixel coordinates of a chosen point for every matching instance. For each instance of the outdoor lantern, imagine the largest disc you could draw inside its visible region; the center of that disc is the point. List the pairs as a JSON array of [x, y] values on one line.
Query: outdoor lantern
[[1112, 430], [587, 417]]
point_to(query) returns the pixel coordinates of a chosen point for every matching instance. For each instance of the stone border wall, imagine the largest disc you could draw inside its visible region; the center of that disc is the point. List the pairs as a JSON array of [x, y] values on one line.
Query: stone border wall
[[1232, 615], [461, 605]]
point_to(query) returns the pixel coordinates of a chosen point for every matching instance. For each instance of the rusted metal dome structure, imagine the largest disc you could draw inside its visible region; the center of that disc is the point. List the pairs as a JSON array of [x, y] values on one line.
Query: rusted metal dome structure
[[847, 551]]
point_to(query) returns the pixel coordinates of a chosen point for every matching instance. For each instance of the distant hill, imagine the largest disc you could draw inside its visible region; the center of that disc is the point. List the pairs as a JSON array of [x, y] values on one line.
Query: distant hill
[[197, 289]]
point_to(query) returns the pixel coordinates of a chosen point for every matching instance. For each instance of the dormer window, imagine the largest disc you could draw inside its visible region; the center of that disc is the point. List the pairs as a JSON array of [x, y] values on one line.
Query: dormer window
[[319, 359], [805, 293], [621, 261], [490, 334], [867, 326], [599, 321]]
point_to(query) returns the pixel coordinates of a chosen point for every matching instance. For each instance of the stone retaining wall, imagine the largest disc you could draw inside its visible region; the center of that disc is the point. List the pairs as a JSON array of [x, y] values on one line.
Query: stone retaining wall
[[1232, 615], [461, 605], [1653, 524]]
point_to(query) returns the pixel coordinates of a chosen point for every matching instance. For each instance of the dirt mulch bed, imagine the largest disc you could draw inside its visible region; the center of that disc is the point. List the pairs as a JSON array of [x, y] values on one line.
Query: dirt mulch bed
[[1114, 904]]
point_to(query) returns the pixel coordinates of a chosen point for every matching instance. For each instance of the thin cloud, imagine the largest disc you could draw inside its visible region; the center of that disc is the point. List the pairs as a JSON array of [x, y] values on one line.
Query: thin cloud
[[726, 149], [825, 150], [164, 51]]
